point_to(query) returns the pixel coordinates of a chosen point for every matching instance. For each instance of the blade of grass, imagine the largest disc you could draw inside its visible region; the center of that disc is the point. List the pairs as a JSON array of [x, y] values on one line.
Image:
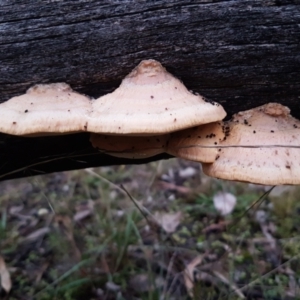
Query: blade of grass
[[34, 164], [75, 283], [246, 286], [75, 268], [3, 219], [124, 242], [136, 205], [258, 201]]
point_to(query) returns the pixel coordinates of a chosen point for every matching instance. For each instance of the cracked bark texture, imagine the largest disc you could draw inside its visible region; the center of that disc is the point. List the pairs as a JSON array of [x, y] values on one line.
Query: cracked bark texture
[[241, 53]]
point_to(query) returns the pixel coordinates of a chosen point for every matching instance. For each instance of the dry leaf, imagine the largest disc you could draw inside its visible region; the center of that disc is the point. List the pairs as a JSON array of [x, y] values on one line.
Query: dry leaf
[[82, 215], [41, 272], [188, 274], [224, 203], [168, 221], [187, 172], [15, 209], [111, 286], [36, 234], [65, 224], [4, 276], [173, 187], [84, 210], [229, 283], [220, 226], [141, 283], [84, 205]]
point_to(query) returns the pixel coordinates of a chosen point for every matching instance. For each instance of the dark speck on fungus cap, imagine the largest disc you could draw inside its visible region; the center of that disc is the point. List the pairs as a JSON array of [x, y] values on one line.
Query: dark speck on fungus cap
[[265, 162]]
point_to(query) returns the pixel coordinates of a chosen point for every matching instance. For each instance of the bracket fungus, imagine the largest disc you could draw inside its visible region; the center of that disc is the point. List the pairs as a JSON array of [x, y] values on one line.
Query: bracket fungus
[[45, 109], [151, 101], [262, 146], [197, 143], [134, 147]]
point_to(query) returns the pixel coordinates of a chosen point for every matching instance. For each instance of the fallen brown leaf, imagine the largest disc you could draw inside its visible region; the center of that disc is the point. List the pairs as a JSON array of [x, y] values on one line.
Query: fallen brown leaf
[[82, 215], [225, 280], [224, 202], [188, 274], [173, 187], [216, 227], [15, 209], [65, 223], [84, 210], [41, 272], [141, 283], [36, 234], [4, 276], [168, 221]]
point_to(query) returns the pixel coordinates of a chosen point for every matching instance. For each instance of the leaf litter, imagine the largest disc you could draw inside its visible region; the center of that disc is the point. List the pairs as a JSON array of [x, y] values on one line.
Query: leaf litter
[[170, 232], [224, 202], [5, 279]]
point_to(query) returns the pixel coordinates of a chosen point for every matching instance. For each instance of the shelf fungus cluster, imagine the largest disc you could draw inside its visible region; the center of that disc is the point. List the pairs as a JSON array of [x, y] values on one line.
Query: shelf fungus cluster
[[153, 112], [262, 145]]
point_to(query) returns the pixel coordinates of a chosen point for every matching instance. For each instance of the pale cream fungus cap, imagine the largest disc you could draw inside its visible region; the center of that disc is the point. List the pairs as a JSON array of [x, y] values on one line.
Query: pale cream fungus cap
[[265, 127], [133, 147], [151, 101], [45, 109], [197, 143]]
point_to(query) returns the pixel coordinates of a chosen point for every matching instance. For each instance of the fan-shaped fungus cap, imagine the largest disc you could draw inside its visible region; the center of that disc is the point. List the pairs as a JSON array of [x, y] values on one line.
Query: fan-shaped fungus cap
[[151, 101], [45, 108], [133, 147], [273, 159], [197, 143]]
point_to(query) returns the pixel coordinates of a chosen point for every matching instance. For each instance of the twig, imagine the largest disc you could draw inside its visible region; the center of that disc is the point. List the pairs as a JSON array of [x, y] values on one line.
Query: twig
[[44, 162], [259, 200], [137, 205], [226, 281], [170, 266], [106, 180], [246, 286]]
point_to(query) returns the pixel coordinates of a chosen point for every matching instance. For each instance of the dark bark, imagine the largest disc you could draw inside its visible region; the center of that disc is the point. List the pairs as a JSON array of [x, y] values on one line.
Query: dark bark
[[23, 157], [241, 53]]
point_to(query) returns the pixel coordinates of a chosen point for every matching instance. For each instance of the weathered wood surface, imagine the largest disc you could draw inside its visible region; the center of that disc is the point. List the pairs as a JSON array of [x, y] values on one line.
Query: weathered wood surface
[[241, 53]]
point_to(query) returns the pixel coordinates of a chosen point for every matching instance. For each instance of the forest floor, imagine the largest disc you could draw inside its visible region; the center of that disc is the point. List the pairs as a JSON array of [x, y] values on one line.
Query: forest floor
[[157, 231]]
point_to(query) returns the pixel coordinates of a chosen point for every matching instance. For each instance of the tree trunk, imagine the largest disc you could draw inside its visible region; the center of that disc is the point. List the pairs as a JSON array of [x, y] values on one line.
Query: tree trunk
[[241, 53]]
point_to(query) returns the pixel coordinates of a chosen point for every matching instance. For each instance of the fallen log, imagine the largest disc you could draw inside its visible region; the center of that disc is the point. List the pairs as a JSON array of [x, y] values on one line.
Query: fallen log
[[241, 53]]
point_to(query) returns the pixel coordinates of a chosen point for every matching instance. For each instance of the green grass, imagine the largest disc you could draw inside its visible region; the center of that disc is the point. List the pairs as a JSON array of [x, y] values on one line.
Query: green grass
[[117, 253]]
